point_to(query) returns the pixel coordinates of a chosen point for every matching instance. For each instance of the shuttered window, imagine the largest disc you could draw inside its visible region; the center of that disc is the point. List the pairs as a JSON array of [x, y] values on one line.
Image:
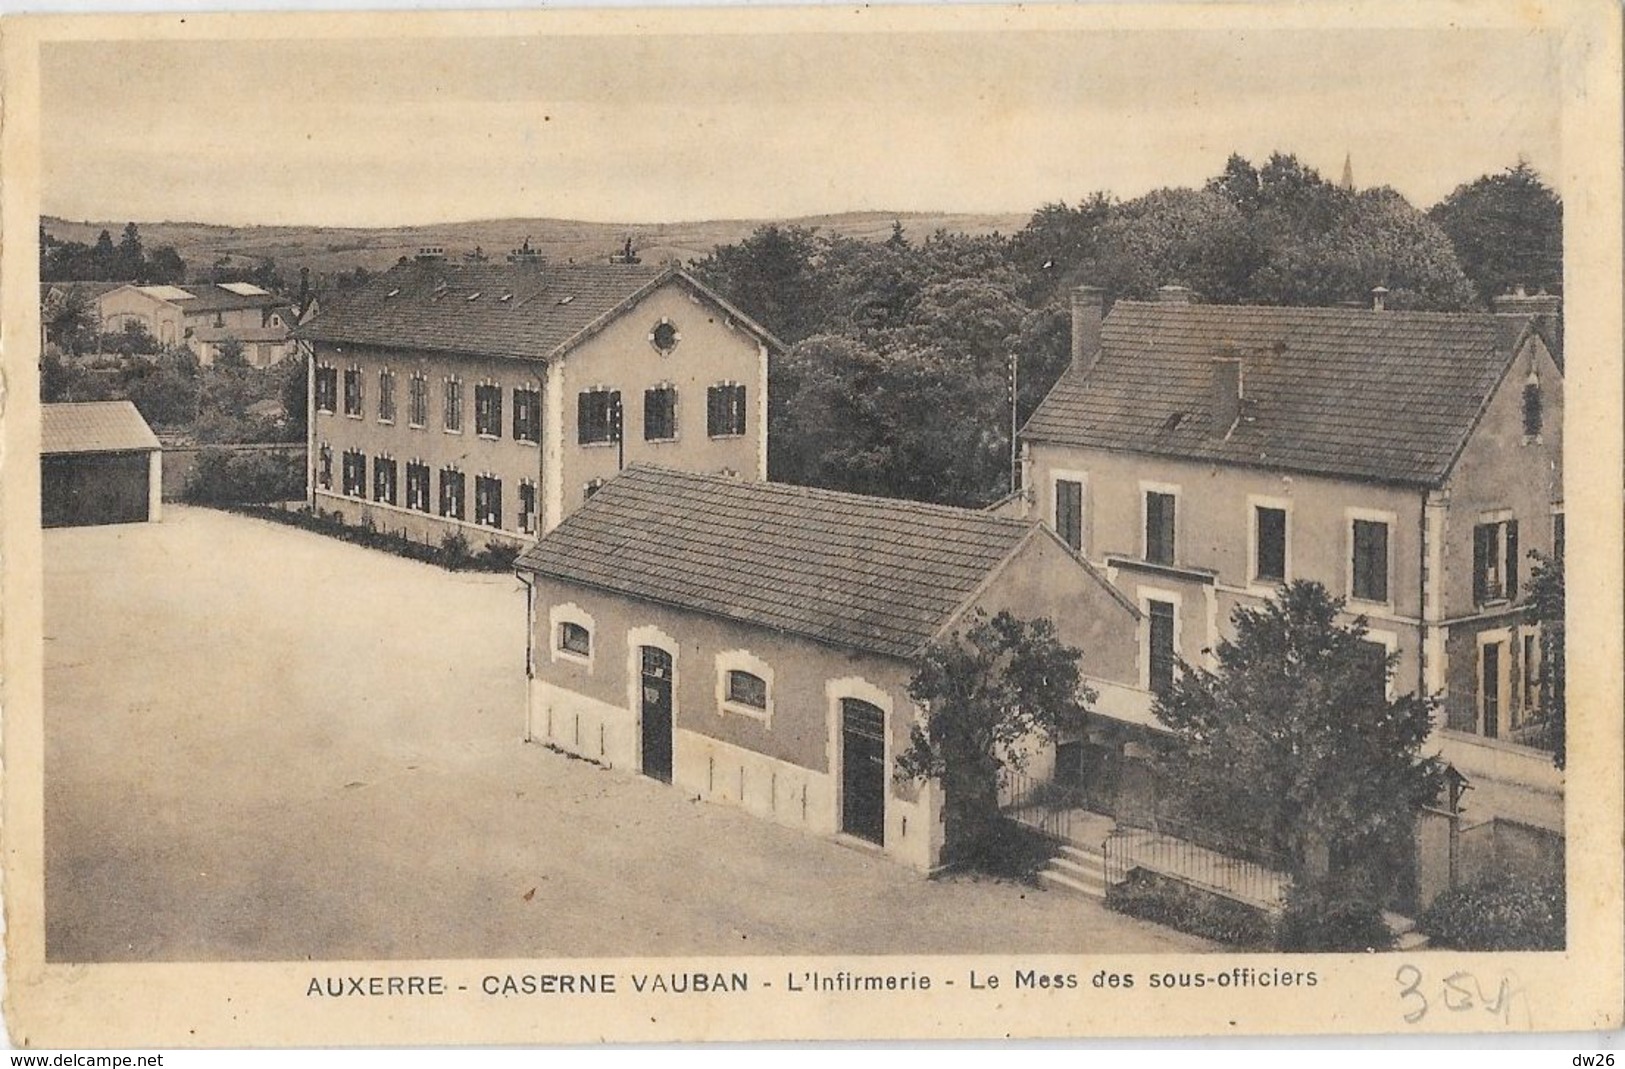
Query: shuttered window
[[352, 392], [527, 415], [1159, 527], [355, 473], [660, 414], [383, 480], [417, 486], [488, 411], [488, 501], [417, 413], [1160, 644], [598, 416], [1069, 512], [1270, 530], [386, 397], [725, 410], [1370, 563], [327, 389], [324, 467], [527, 506], [451, 493], [454, 405], [1495, 562]]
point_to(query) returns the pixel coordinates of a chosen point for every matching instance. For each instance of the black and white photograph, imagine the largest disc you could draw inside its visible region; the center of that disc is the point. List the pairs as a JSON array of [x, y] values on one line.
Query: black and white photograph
[[924, 514]]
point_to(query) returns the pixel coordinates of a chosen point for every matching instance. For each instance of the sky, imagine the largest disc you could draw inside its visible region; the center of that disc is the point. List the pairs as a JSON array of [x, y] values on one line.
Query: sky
[[668, 128]]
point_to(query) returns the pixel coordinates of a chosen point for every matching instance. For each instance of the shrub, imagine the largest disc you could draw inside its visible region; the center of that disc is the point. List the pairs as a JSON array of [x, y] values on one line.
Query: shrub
[[1498, 915], [1162, 900], [497, 556], [1009, 851], [454, 551], [1330, 920], [221, 476]]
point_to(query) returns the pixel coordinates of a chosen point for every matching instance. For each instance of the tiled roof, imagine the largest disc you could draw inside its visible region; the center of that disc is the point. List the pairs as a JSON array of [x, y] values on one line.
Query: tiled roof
[[530, 311], [860, 572], [1383, 396], [94, 427], [207, 297]]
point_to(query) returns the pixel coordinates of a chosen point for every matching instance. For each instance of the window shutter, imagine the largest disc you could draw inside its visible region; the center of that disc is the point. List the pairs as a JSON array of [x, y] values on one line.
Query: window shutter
[[583, 417], [1512, 561], [1481, 562]]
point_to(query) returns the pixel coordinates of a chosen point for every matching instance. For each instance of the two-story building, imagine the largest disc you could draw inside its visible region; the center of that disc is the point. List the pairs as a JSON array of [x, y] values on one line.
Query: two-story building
[[752, 642], [493, 399], [206, 316], [1203, 455]]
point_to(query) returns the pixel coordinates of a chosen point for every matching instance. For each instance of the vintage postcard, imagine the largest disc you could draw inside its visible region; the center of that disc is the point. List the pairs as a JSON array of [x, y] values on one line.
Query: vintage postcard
[[816, 523]]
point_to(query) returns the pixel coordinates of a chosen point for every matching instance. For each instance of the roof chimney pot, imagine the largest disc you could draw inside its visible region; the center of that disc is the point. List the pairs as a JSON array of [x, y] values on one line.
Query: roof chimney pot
[[1224, 396], [1174, 295], [1379, 298], [1088, 304]]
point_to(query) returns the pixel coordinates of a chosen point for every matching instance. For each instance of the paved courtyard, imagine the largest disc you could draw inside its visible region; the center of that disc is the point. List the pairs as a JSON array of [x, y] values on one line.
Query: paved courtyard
[[262, 744]]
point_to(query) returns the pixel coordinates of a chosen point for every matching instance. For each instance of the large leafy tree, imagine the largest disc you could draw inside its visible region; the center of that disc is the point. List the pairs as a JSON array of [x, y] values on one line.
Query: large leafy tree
[[1545, 597], [1507, 230], [1293, 744], [989, 693], [771, 276]]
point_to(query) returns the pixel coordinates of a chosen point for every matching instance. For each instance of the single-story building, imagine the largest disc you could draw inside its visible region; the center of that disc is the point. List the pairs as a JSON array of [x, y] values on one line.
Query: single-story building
[[752, 643], [99, 463]]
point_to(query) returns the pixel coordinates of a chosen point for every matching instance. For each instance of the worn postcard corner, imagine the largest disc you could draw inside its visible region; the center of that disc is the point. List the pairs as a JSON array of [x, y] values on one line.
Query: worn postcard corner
[[912, 523]]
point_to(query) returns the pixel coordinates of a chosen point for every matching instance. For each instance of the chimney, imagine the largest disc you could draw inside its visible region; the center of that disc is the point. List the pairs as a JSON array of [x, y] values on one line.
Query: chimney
[[429, 254], [1224, 396], [1379, 298], [1174, 295], [1088, 302]]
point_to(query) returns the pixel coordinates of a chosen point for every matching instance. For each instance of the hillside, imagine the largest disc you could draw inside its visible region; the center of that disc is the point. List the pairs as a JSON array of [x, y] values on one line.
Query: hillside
[[327, 250]]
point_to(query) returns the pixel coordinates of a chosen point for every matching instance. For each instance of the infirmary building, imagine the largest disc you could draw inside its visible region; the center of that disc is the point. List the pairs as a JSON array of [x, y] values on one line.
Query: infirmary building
[[493, 399]]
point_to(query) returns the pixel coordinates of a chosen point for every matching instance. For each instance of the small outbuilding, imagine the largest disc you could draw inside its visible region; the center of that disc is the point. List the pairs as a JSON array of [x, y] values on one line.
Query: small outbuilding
[[752, 643], [99, 463]]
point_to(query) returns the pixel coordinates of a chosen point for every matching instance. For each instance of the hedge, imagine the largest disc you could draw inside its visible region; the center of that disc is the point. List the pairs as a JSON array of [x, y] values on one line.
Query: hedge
[[222, 476], [1498, 915], [453, 552], [1154, 897]]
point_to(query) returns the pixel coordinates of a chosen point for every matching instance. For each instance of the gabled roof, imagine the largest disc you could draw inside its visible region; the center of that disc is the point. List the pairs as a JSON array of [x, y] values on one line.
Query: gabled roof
[[200, 298], [94, 427], [865, 573], [528, 311], [1354, 393]]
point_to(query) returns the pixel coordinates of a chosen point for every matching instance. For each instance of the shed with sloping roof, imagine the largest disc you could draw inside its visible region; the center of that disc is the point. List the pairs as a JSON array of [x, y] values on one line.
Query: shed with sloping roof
[[753, 642], [99, 463]]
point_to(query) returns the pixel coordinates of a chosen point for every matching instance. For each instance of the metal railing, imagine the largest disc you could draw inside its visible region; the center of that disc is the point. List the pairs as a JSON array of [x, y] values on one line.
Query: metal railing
[[1185, 853], [1044, 805]]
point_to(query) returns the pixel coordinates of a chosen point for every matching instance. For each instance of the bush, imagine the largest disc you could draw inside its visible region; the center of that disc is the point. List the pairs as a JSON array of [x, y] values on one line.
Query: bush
[[1330, 920], [1498, 915], [497, 557], [454, 551], [1009, 851], [1154, 897], [222, 476]]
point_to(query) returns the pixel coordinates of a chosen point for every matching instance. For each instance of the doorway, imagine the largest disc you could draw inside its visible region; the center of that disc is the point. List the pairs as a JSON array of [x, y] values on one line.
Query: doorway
[[863, 770], [655, 714]]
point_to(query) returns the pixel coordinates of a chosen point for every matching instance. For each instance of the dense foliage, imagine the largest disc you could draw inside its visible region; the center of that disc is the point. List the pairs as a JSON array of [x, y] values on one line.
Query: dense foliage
[[989, 692], [1292, 743], [897, 380], [1499, 915], [1545, 597], [223, 476], [128, 261], [1507, 229]]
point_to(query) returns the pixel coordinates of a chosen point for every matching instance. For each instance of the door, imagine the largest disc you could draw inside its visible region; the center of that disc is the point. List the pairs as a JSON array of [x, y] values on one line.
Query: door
[[1494, 687], [655, 716], [863, 770]]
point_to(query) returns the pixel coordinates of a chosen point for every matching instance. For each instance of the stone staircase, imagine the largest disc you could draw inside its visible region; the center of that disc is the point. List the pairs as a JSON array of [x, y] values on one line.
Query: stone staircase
[[1406, 937], [1076, 870]]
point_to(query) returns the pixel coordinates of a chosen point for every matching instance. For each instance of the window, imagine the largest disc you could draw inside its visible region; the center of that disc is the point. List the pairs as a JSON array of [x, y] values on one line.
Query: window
[[747, 689], [1374, 670], [451, 493], [725, 410], [327, 388], [417, 401], [324, 467], [1159, 527], [386, 397], [598, 416], [488, 411], [1069, 512], [1369, 581], [1495, 562], [664, 337], [1160, 644], [527, 506], [352, 392], [488, 500], [1531, 409], [1269, 555], [454, 405], [660, 414], [355, 473], [527, 415], [383, 480], [417, 486], [573, 638]]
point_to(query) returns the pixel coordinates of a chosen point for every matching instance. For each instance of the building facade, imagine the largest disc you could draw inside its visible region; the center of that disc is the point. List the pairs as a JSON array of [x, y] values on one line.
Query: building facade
[[99, 463], [1201, 456], [752, 643], [491, 400], [205, 317]]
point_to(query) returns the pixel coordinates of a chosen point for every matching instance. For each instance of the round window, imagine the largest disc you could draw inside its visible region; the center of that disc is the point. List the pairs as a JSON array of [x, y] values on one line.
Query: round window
[[664, 337]]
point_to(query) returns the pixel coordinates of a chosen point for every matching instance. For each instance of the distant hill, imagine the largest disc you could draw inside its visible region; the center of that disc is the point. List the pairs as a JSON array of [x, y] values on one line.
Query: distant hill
[[327, 250]]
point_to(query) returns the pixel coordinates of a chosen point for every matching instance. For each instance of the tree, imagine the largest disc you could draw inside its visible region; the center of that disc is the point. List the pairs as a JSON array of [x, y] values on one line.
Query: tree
[[1507, 230], [989, 692], [771, 276], [129, 261], [104, 256], [1292, 744], [1545, 598]]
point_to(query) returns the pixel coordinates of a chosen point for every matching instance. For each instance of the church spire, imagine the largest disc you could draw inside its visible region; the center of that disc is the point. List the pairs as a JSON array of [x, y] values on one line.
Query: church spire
[[1347, 184]]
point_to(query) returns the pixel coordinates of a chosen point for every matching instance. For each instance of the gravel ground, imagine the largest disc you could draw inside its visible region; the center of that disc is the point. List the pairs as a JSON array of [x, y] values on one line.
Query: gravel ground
[[262, 744]]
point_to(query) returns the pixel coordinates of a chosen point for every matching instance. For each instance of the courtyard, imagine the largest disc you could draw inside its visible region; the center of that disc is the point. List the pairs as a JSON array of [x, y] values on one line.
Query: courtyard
[[262, 744]]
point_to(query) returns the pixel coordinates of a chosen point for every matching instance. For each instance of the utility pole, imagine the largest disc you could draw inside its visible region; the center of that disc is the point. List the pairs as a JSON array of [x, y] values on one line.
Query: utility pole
[[617, 428], [1015, 453]]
